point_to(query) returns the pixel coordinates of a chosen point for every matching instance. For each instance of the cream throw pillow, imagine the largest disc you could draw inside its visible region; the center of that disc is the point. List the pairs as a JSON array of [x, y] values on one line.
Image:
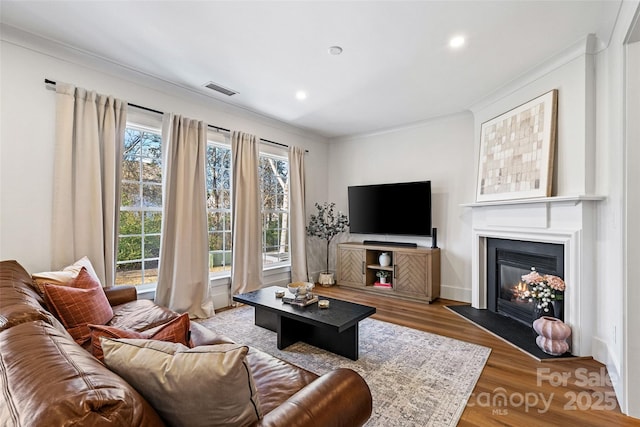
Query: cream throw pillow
[[201, 386], [63, 276]]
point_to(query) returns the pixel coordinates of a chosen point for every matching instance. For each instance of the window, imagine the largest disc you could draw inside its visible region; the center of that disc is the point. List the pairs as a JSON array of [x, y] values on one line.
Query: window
[[274, 187], [140, 207], [219, 207]]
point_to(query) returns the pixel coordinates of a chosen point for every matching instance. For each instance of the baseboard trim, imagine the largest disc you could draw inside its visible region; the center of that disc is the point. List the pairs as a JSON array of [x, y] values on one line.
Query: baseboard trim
[[455, 293]]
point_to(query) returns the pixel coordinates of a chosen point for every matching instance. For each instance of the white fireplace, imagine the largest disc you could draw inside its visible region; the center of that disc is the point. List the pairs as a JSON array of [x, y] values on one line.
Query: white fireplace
[[569, 221]]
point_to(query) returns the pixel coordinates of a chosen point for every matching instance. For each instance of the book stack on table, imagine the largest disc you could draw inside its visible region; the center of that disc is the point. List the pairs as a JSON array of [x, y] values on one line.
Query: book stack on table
[[300, 301]]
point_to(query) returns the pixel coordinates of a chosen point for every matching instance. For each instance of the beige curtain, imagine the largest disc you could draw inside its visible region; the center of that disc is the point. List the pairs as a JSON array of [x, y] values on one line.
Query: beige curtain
[[86, 190], [183, 276], [246, 266], [298, 222]]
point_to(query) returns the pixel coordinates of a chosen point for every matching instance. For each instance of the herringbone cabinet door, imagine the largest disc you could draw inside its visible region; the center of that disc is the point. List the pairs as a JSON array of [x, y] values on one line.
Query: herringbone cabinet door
[[411, 273], [350, 266]]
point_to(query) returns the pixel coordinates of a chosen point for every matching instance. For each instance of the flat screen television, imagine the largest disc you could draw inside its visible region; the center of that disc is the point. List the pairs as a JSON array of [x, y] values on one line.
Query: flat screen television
[[401, 208]]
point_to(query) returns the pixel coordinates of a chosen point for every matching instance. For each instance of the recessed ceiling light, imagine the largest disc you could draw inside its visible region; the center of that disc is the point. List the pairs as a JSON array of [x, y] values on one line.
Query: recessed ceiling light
[[456, 42], [301, 95], [335, 50]]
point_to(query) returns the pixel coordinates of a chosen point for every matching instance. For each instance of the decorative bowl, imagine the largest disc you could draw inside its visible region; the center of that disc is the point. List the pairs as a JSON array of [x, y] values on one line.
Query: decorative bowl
[[300, 288]]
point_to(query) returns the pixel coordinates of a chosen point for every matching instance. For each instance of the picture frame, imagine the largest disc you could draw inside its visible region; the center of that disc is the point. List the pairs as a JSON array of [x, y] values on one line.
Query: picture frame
[[517, 150]]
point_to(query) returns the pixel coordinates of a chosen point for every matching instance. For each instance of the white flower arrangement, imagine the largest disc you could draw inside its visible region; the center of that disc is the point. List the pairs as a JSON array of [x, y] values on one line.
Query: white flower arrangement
[[543, 290]]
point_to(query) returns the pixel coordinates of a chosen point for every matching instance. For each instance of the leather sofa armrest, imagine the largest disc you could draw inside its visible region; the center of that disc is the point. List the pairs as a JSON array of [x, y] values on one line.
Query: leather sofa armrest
[[340, 398], [120, 294]]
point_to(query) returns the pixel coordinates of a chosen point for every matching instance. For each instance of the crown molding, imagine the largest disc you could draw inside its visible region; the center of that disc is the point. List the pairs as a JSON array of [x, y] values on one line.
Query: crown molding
[[588, 45], [103, 65]]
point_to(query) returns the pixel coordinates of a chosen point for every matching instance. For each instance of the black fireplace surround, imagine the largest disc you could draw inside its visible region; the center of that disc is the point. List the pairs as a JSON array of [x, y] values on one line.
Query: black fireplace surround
[[507, 261]]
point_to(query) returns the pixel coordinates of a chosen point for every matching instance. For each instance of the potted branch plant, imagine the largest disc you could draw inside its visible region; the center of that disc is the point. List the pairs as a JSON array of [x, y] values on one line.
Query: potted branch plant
[[326, 224]]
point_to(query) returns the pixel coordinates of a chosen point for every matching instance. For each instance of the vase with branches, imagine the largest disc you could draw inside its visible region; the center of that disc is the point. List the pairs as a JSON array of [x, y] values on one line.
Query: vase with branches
[[327, 224]]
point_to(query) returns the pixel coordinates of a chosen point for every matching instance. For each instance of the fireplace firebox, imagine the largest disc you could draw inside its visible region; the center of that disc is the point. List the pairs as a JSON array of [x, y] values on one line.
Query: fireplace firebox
[[507, 262]]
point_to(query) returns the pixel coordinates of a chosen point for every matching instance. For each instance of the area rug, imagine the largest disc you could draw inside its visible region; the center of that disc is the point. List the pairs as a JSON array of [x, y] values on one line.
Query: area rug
[[416, 378]]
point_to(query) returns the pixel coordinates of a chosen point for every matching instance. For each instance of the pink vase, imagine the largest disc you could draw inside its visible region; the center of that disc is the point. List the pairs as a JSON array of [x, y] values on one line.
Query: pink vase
[[553, 334], [552, 347]]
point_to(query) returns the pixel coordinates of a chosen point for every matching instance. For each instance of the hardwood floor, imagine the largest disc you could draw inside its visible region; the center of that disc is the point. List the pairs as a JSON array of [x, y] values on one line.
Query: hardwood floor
[[514, 388]]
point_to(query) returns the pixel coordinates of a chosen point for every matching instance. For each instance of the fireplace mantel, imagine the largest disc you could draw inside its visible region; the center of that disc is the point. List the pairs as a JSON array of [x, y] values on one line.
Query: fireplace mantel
[[566, 220], [548, 200]]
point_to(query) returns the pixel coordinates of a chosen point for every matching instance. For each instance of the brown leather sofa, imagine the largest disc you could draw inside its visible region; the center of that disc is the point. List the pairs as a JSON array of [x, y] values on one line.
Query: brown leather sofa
[[46, 379]]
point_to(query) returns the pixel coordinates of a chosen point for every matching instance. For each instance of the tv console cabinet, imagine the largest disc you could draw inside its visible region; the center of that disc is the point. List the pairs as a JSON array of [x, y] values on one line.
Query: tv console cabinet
[[414, 272]]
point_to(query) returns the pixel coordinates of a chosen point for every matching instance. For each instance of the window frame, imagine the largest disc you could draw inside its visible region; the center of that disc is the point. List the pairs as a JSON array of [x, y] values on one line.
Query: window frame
[[142, 209], [225, 144], [147, 123], [286, 263]]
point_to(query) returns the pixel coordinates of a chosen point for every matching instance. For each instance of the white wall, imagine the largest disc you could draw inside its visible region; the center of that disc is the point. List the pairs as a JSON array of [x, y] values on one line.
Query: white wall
[[439, 150], [590, 160], [631, 348], [571, 73], [28, 127], [618, 68]]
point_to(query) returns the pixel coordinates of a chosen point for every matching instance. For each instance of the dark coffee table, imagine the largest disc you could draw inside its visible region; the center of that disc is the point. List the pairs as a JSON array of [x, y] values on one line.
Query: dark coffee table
[[334, 329]]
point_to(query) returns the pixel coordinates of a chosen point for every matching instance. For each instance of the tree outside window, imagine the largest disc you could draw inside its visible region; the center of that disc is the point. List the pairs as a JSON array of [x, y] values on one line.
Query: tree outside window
[[274, 187], [140, 208], [219, 207]]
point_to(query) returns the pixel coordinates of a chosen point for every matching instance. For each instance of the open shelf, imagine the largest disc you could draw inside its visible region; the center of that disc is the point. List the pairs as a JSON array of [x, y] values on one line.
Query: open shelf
[[379, 267]]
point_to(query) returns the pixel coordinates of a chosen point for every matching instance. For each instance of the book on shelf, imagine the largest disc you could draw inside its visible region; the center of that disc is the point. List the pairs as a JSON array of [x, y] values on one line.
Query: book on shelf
[[382, 285], [300, 302]]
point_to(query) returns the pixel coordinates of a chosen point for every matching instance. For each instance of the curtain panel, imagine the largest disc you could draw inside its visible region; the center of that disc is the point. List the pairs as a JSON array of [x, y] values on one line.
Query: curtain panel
[[298, 216], [183, 276], [86, 190], [246, 207]]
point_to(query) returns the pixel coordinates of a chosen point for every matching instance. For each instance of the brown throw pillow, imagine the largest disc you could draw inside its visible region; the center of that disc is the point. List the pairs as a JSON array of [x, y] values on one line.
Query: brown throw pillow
[[79, 303], [176, 330], [204, 386]]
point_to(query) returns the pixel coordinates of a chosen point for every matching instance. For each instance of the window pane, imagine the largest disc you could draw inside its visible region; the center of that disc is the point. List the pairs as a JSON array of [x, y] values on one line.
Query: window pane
[[131, 168], [151, 170], [129, 248], [130, 223], [275, 228], [227, 221], [216, 221], [151, 246], [141, 202], [152, 222], [215, 241], [225, 199], [151, 145], [226, 159], [152, 195], [132, 142], [130, 195], [151, 271], [129, 274], [218, 207]]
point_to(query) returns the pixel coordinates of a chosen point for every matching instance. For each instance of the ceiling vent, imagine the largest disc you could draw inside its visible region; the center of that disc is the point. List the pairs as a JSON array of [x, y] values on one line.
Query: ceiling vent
[[221, 89]]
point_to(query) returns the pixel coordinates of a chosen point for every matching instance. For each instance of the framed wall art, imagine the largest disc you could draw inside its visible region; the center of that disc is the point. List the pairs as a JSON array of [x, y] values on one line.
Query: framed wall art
[[516, 151]]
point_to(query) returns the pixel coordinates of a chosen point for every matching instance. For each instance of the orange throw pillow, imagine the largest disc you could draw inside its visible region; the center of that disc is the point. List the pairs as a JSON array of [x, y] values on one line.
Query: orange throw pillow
[[176, 330], [81, 302]]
